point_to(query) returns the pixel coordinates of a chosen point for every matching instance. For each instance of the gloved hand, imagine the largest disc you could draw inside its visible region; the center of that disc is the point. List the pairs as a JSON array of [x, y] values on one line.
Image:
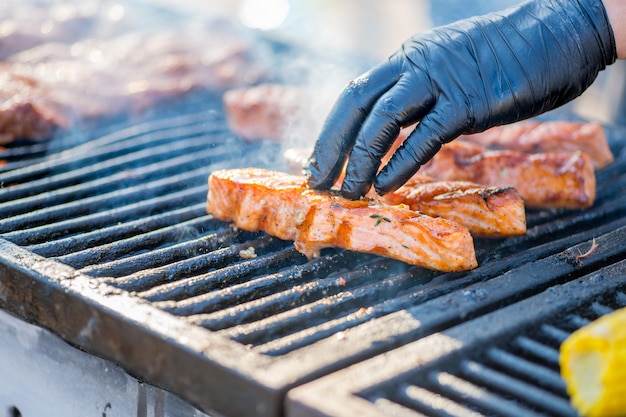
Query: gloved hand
[[457, 79]]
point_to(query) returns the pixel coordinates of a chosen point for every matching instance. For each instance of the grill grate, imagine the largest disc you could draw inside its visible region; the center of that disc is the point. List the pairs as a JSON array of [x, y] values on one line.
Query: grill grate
[[505, 380], [124, 215], [503, 364]]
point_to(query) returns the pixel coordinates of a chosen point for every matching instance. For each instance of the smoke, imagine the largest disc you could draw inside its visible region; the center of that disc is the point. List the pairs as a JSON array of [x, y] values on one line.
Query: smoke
[[331, 43]]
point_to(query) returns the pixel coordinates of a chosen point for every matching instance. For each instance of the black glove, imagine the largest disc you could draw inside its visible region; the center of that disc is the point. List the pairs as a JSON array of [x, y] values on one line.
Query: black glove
[[456, 79]]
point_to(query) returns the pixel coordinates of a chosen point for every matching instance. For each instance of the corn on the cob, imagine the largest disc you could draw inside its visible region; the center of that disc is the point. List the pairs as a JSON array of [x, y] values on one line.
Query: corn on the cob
[[593, 365]]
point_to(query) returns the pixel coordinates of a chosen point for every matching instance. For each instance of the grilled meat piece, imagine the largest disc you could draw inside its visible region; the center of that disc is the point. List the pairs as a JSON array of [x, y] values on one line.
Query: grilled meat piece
[[553, 136], [264, 111], [257, 199], [27, 109], [282, 113], [282, 205], [485, 211], [96, 80], [138, 69], [544, 180]]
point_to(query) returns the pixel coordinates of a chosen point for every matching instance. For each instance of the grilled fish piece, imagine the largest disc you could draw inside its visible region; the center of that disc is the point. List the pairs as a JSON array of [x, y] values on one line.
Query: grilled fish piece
[[485, 211], [258, 199], [549, 136], [283, 206], [544, 180]]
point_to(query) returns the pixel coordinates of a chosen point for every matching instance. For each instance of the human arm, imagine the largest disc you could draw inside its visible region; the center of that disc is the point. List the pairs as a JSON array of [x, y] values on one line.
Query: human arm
[[462, 78]]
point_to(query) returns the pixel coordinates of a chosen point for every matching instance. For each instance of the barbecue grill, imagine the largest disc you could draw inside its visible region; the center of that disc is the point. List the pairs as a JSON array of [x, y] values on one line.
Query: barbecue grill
[[107, 246], [120, 296]]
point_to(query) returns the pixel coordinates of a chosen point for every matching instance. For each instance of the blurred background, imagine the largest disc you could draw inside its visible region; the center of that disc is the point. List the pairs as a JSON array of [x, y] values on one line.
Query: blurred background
[[371, 30], [333, 41], [369, 27]]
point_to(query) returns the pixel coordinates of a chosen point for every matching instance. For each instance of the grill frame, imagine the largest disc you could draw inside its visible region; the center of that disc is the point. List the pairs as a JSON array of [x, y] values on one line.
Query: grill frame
[[108, 323]]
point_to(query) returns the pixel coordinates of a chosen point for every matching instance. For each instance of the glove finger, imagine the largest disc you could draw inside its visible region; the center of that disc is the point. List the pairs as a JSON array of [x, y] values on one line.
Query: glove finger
[[343, 122], [404, 104], [418, 148]]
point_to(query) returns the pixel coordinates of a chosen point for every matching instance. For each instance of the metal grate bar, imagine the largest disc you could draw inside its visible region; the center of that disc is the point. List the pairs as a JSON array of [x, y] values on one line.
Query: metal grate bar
[[618, 300], [554, 333], [306, 337], [345, 312], [520, 391], [108, 170], [376, 306], [600, 309], [465, 392], [532, 248], [275, 301], [19, 152], [41, 239], [538, 350], [237, 294], [618, 183], [223, 277], [529, 370], [317, 302], [138, 239], [18, 156], [577, 321], [252, 289], [80, 196], [560, 229], [321, 287], [20, 163], [206, 121], [107, 146], [430, 403], [97, 203], [152, 268], [393, 409]]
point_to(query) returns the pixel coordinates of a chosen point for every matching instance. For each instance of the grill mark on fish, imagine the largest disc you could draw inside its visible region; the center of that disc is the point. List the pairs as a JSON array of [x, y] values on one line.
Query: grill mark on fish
[[329, 220]]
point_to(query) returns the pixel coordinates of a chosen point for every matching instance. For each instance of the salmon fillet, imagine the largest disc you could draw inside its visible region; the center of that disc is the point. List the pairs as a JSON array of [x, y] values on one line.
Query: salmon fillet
[[552, 136], [282, 205], [485, 211], [544, 180]]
